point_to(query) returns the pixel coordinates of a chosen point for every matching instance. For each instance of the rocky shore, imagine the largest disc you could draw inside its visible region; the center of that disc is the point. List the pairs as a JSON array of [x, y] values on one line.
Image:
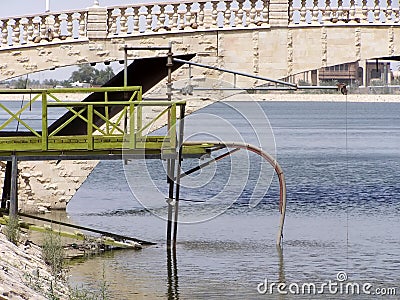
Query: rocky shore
[[24, 274]]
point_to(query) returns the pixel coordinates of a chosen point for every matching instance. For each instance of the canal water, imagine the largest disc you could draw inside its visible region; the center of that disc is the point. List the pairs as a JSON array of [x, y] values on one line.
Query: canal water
[[342, 166]]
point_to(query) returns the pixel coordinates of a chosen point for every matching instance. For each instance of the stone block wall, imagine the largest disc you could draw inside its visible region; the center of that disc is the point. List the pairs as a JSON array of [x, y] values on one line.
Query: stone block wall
[[44, 185]]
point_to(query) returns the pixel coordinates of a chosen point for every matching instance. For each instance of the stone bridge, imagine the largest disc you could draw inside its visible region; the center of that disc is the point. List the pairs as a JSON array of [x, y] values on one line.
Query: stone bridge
[[272, 38]]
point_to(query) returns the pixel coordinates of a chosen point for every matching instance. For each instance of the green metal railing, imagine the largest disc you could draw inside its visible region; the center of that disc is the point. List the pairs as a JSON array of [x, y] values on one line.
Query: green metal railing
[[123, 131]]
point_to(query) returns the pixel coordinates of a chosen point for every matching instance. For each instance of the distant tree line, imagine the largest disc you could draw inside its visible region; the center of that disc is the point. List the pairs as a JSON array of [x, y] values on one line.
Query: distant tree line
[[84, 74]]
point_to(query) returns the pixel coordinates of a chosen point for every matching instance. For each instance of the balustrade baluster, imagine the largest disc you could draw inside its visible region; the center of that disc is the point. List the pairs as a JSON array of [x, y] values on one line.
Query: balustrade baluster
[[315, 12], [200, 20], [214, 14], [76, 18], [188, 16], [161, 17], [82, 24], [265, 11], [36, 30], [396, 15], [240, 13], [4, 32], [291, 10], [327, 15], [253, 13], [340, 10], [335, 14], [364, 11], [181, 14], [234, 11], [136, 19], [24, 24], [29, 30], [70, 25], [227, 15], [122, 22], [247, 16], [16, 32], [110, 20], [56, 26], [303, 11], [175, 16], [389, 12], [352, 11], [377, 11], [149, 17]]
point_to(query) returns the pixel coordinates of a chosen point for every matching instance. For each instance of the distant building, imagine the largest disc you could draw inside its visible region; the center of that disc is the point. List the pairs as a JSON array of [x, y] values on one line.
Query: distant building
[[377, 72], [80, 84]]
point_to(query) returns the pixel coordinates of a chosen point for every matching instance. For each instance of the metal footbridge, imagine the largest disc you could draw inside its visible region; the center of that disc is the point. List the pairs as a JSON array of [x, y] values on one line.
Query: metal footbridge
[[110, 124]]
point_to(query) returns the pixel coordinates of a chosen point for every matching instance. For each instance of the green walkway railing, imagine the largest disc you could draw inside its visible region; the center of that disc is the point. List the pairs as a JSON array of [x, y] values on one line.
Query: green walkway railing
[[123, 131]]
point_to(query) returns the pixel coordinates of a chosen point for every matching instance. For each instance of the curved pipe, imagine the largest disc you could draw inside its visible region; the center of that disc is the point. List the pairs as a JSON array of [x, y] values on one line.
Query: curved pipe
[[273, 162]]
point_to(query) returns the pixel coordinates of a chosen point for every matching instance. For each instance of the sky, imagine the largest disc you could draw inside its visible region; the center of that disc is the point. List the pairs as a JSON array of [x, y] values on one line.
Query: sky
[[27, 7], [23, 7]]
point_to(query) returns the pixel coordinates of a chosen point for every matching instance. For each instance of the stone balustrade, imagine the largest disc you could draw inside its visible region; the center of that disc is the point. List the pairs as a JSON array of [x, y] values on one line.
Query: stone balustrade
[[133, 19], [175, 16], [41, 28], [317, 12]]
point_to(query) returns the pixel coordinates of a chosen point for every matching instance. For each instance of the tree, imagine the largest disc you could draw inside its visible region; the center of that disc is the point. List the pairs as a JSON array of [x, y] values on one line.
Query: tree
[[102, 76], [85, 73], [89, 74], [21, 83]]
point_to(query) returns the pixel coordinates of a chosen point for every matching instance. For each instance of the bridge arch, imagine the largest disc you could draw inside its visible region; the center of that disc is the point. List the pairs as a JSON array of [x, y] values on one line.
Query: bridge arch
[[272, 38]]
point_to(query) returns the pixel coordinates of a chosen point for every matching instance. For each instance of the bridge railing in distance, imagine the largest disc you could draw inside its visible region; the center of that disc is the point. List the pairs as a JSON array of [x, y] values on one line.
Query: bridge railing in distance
[[41, 28], [186, 15], [126, 130], [303, 12]]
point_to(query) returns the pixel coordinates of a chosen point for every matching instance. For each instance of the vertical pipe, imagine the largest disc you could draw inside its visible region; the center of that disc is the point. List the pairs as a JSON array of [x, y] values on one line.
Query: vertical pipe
[[170, 180], [170, 162], [178, 172], [125, 66], [6, 185], [283, 208], [169, 69], [14, 187], [47, 5]]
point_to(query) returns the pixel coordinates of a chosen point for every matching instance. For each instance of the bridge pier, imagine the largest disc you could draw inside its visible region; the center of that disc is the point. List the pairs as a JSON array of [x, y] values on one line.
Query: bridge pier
[[14, 187]]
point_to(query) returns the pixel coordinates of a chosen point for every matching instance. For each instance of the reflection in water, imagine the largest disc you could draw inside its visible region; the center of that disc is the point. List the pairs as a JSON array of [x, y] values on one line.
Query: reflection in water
[[281, 265], [281, 268], [172, 271]]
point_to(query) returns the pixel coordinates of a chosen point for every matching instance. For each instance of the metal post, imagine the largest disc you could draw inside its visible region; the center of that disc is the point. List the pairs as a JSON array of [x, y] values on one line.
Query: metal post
[[170, 162], [6, 185], [125, 66], [14, 187], [169, 68], [171, 182], [178, 172]]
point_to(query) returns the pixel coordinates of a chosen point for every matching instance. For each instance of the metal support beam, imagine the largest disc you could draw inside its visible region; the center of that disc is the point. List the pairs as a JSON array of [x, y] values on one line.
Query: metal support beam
[[170, 200], [286, 85], [178, 172], [14, 187], [6, 185], [234, 72]]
